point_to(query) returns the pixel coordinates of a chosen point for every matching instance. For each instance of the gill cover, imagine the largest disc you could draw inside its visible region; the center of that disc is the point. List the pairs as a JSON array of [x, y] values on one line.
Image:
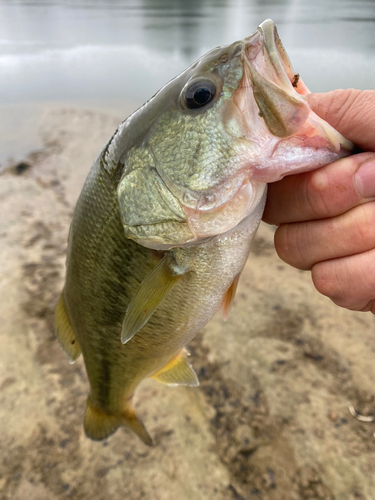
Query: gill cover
[[151, 215]]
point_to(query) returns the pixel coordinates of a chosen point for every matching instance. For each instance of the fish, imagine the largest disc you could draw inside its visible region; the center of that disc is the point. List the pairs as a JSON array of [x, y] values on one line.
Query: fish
[[163, 226]]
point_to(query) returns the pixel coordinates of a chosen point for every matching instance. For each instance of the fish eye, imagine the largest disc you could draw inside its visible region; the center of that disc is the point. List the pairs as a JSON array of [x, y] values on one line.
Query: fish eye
[[199, 94]]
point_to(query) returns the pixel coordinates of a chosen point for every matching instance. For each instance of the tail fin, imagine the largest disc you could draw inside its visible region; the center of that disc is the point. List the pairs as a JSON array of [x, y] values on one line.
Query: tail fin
[[130, 419], [99, 425]]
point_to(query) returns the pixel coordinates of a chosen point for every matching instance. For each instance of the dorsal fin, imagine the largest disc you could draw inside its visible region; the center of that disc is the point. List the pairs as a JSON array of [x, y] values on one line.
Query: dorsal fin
[[64, 331], [227, 302], [154, 288], [177, 372]]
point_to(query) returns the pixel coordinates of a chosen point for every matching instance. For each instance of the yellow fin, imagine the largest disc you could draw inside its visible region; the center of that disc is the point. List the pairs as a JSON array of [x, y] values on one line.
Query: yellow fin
[[154, 288], [227, 302], [99, 425], [64, 331], [131, 420], [177, 372]]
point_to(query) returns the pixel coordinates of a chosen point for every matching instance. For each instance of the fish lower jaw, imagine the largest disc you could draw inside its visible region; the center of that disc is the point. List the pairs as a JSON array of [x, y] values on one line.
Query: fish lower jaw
[[240, 211], [316, 144], [292, 161]]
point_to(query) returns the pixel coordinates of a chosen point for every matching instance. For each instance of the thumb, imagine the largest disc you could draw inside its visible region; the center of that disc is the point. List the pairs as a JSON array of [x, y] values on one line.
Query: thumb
[[351, 112]]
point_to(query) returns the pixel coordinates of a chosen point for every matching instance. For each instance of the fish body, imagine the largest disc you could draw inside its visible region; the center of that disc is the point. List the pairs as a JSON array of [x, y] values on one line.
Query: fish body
[[163, 226], [99, 288]]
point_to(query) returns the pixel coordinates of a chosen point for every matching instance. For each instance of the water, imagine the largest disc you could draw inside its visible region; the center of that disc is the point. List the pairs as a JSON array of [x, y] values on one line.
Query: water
[[115, 54]]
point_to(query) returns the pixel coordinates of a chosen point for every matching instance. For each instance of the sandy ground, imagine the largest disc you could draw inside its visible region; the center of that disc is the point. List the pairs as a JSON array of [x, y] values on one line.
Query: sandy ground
[[270, 419]]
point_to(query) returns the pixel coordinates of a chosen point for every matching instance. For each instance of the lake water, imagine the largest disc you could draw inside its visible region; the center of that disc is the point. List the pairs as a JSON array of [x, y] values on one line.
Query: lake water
[[115, 54]]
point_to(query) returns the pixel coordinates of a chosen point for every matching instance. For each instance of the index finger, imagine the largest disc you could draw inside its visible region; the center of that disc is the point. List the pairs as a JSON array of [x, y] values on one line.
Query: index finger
[[351, 112], [327, 192]]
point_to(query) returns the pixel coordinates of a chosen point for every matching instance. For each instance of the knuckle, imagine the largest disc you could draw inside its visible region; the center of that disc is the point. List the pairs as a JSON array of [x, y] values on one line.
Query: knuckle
[[364, 223], [330, 191], [334, 102], [282, 242], [329, 283], [323, 280], [348, 282], [316, 194], [343, 102], [290, 242], [369, 306]]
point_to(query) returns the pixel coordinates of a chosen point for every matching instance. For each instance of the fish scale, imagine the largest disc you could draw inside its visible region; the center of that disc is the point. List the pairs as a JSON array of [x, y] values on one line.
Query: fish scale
[[110, 365], [163, 226]]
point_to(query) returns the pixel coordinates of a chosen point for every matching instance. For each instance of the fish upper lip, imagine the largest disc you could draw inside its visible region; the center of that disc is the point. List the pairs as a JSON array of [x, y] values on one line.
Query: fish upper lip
[[267, 40]]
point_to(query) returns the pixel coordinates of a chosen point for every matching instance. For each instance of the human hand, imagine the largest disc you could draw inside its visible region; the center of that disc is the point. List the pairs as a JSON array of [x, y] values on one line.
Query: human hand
[[326, 217]]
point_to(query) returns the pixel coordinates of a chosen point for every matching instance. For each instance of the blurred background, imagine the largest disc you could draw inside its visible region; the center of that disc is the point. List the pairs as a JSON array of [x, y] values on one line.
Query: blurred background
[[270, 418], [115, 54]]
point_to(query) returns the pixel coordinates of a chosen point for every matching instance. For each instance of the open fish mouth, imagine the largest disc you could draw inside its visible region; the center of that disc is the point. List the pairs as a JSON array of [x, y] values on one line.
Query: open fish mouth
[[277, 89], [281, 99], [278, 60]]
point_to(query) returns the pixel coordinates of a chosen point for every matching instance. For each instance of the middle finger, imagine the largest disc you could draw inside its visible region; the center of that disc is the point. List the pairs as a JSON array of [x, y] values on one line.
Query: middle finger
[[304, 244]]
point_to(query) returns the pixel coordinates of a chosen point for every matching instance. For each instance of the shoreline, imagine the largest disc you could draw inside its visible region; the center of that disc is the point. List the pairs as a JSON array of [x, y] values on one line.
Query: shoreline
[[270, 419]]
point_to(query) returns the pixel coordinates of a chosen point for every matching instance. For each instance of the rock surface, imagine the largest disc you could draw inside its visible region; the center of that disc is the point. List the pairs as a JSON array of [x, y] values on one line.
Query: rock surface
[[270, 419]]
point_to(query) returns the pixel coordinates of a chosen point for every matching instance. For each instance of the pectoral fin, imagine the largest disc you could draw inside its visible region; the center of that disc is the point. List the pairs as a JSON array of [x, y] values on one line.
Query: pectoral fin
[[227, 302], [177, 372], [64, 331], [154, 288]]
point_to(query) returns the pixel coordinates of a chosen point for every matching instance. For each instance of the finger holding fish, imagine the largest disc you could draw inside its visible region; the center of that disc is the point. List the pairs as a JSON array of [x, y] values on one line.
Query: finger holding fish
[[327, 192], [326, 217], [348, 281], [304, 244]]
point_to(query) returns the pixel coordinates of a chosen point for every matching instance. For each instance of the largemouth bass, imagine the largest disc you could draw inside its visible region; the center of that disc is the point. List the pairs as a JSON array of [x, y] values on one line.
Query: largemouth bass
[[163, 226]]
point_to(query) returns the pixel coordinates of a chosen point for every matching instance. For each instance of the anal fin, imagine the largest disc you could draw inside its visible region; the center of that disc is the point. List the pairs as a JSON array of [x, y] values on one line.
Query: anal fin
[[99, 425], [227, 302], [64, 331], [177, 372]]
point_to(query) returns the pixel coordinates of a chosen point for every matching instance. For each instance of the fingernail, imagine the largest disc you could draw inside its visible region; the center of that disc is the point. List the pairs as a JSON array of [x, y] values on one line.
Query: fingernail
[[365, 178]]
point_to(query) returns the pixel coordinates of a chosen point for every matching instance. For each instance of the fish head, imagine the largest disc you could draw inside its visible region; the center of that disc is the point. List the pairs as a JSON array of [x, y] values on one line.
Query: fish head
[[205, 146]]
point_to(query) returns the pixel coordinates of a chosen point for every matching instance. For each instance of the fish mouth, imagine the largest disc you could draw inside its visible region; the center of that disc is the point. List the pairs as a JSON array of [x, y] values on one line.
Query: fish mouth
[[281, 99], [278, 90], [278, 58]]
